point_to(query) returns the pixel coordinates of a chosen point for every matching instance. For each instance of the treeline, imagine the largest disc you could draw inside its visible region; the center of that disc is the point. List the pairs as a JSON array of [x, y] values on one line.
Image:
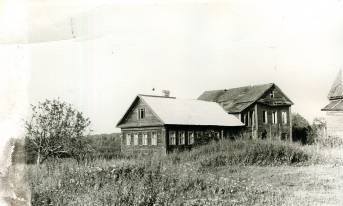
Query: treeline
[[104, 146]]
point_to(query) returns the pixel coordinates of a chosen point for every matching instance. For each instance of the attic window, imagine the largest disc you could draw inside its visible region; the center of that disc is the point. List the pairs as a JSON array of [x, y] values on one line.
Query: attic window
[[141, 113], [272, 94]]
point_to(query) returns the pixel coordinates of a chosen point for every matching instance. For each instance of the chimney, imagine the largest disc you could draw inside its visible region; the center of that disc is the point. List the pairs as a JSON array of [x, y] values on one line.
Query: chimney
[[166, 93]]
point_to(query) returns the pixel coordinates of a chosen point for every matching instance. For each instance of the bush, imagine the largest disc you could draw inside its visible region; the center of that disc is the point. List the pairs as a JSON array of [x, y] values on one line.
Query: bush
[[301, 130], [330, 141]]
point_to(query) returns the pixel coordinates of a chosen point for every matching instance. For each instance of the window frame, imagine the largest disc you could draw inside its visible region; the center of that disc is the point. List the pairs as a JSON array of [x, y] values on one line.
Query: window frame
[[145, 139], [141, 113], [172, 138], [272, 94], [128, 139], [190, 137], [182, 136], [265, 117], [284, 117], [135, 139], [153, 138], [275, 117]]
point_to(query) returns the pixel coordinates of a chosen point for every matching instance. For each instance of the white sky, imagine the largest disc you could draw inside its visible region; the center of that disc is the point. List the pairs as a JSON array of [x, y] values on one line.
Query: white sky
[[98, 55]]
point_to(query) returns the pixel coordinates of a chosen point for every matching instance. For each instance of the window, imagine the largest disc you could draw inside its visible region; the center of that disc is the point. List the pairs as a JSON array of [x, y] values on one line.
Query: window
[[251, 119], [145, 139], [274, 117], [272, 95], [181, 138], [284, 117], [265, 117], [190, 138], [128, 139], [154, 138], [135, 139], [172, 138], [197, 134], [141, 113]]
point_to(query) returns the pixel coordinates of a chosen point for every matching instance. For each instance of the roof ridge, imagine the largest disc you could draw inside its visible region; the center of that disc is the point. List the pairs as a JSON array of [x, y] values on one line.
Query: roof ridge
[[226, 89], [157, 96]]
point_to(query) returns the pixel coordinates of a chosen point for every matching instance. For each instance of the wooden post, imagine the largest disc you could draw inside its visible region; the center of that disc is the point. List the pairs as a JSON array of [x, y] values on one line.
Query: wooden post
[[256, 122], [290, 124]]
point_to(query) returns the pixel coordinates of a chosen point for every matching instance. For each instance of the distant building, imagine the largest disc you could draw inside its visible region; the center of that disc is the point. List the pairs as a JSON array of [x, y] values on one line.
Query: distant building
[[163, 123], [334, 110], [264, 109]]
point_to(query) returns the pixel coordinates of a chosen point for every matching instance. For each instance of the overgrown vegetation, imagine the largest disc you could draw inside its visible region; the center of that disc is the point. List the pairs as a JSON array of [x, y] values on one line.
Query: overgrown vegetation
[[180, 178]]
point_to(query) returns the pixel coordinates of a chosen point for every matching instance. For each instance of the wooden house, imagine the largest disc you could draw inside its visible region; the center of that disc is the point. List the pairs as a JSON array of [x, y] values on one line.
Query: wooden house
[[163, 124], [264, 109], [334, 110]]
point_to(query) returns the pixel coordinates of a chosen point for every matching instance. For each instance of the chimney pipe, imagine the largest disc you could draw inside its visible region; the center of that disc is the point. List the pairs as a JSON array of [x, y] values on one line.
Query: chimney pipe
[[166, 93]]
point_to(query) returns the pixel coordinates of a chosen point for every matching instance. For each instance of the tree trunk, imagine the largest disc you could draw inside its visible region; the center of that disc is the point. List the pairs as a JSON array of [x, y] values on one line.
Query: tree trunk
[[38, 158]]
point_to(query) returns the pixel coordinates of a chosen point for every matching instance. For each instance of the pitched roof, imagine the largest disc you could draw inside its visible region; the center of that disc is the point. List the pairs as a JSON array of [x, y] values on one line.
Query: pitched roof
[[189, 112], [236, 99], [334, 105], [336, 91]]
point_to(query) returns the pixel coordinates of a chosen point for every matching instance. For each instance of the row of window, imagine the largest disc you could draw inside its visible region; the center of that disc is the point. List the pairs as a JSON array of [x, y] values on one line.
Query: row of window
[[182, 138], [284, 118], [144, 138], [249, 118]]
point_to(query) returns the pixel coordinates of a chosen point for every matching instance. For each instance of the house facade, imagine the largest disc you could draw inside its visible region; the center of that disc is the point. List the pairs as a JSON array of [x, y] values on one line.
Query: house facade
[[163, 124], [334, 110], [264, 109]]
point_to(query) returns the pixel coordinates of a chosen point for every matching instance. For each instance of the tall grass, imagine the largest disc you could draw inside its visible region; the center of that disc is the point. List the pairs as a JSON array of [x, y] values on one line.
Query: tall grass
[[177, 179], [244, 152]]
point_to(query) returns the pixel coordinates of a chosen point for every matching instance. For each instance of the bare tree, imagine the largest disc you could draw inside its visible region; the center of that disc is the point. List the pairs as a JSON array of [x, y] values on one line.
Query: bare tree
[[55, 129]]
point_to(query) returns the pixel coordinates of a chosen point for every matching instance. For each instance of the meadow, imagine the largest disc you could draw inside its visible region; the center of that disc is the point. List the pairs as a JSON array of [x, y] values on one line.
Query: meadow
[[241, 172]]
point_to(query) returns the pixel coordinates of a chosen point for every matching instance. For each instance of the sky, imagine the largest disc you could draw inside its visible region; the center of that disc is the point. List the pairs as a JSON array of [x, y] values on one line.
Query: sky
[[98, 55]]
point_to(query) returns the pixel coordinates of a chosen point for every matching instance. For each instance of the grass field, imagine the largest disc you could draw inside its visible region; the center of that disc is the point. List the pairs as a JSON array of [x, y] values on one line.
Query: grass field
[[223, 173]]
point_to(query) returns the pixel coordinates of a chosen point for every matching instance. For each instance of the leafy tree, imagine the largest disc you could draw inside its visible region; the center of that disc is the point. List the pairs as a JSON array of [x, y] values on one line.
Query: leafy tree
[[319, 127], [301, 129], [56, 129]]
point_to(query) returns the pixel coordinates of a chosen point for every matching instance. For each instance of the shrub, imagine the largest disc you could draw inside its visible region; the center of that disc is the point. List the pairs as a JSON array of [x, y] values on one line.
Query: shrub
[[301, 130], [330, 141]]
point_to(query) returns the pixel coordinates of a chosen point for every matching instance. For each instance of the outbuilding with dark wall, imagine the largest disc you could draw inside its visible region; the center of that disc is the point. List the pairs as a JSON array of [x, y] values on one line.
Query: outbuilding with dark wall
[[163, 124]]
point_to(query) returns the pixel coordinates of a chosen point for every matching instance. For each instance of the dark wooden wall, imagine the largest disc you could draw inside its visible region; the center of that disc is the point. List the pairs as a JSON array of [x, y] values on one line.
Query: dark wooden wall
[[201, 135], [274, 131], [160, 147]]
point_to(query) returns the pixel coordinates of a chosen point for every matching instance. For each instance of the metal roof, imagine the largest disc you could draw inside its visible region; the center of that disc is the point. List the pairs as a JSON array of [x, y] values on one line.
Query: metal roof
[[190, 112]]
